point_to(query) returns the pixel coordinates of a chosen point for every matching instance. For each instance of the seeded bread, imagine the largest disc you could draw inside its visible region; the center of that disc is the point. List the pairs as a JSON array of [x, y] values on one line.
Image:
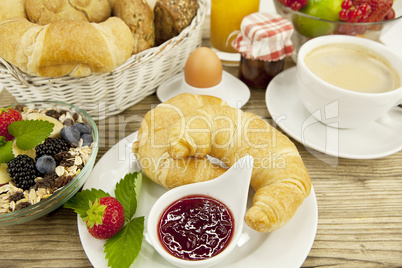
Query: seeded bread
[[171, 17], [139, 17]]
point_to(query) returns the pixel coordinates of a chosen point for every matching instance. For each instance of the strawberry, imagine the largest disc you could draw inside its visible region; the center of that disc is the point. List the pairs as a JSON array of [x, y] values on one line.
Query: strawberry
[[366, 10], [379, 8], [105, 217], [7, 116]]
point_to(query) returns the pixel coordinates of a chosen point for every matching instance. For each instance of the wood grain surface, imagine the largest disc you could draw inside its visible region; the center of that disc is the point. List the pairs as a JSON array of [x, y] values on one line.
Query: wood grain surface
[[359, 206]]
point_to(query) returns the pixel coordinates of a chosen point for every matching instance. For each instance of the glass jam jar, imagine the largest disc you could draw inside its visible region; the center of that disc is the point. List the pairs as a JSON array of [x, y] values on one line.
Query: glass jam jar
[[258, 73], [264, 43]]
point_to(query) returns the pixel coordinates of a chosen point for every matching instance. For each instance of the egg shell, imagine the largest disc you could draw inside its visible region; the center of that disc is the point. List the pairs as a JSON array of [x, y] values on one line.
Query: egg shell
[[203, 68]]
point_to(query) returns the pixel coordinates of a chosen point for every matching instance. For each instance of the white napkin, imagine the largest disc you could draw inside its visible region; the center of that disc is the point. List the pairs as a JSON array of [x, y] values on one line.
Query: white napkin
[[392, 38], [391, 34]]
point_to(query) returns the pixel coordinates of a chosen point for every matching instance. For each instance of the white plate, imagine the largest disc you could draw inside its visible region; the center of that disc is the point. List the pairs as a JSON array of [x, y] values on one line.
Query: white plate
[[230, 89], [371, 141], [285, 247]]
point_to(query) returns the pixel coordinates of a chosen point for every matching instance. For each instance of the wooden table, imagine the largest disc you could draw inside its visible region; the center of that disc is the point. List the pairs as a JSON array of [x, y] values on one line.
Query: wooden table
[[359, 207]]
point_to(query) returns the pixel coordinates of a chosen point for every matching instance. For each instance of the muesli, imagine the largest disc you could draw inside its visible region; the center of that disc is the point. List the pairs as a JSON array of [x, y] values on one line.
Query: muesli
[[41, 151]]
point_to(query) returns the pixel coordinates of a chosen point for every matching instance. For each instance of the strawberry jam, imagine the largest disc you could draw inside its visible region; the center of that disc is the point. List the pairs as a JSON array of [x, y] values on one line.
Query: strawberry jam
[[196, 227]]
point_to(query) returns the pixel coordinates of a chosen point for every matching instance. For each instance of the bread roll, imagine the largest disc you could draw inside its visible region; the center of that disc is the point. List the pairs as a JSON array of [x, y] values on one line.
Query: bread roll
[[139, 17], [74, 48], [171, 17], [10, 9], [150, 148], [46, 11], [279, 177]]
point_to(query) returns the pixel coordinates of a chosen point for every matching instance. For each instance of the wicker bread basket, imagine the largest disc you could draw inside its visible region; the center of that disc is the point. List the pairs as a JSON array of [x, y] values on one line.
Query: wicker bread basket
[[104, 95]]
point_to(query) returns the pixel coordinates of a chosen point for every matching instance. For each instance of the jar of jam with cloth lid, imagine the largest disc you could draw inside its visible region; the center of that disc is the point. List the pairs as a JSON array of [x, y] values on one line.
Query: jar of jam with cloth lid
[[264, 43]]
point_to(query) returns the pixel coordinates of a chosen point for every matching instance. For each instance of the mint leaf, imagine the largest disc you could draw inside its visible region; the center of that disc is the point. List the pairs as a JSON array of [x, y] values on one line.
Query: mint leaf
[[29, 133], [2, 140], [79, 203], [127, 191], [123, 248], [6, 152]]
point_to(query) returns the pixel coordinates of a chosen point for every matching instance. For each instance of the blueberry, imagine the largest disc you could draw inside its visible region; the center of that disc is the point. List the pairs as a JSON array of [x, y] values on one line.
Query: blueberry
[[87, 139], [45, 164], [70, 135], [83, 128]]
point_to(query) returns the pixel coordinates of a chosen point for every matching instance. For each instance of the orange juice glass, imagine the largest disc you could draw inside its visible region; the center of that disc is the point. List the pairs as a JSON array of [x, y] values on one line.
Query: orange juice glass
[[226, 17]]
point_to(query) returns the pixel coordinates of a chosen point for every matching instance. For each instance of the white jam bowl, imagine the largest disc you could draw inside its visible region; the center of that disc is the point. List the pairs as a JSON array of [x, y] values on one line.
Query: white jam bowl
[[231, 188]]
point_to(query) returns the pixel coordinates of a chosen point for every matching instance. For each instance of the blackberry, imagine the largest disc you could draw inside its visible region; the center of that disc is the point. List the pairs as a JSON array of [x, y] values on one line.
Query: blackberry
[[22, 171], [51, 147]]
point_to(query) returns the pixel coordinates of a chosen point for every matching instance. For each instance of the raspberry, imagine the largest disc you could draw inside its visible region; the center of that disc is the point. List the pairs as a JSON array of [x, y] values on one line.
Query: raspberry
[[22, 171], [51, 147]]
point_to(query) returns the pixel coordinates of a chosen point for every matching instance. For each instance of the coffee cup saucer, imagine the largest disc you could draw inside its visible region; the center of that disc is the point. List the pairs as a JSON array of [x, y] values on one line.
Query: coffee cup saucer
[[372, 141], [230, 89]]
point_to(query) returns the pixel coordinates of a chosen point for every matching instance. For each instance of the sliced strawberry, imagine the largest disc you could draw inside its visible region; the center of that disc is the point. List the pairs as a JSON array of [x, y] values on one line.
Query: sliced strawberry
[[7, 116], [105, 217]]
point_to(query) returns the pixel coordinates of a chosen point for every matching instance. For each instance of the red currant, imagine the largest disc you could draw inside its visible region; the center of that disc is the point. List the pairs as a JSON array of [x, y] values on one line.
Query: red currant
[[295, 6], [355, 15], [390, 15], [346, 4], [365, 9], [303, 2], [344, 14]]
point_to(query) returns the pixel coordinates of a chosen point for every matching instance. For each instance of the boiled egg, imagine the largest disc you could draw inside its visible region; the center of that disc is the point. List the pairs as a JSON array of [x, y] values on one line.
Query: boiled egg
[[203, 68]]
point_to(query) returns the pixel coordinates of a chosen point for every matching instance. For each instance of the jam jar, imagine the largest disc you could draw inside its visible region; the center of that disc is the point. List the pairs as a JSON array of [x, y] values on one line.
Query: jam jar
[[264, 43], [258, 73]]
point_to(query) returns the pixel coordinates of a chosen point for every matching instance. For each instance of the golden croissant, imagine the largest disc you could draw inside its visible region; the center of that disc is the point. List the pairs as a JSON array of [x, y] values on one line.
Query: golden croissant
[[279, 178], [150, 149]]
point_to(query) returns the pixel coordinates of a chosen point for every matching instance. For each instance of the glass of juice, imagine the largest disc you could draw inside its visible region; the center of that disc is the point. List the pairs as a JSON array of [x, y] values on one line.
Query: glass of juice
[[226, 17]]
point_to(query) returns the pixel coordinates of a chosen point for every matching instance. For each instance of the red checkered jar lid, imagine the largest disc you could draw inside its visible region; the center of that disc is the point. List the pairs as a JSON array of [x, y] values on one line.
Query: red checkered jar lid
[[264, 36]]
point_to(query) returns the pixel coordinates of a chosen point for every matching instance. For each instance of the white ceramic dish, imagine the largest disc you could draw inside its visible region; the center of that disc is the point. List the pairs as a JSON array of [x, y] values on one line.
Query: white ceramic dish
[[231, 188], [371, 141], [230, 89], [285, 247]]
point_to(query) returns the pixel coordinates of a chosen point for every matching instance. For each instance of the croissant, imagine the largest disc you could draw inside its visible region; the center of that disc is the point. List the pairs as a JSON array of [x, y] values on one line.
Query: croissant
[[150, 149], [279, 178], [74, 48], [12, 9]]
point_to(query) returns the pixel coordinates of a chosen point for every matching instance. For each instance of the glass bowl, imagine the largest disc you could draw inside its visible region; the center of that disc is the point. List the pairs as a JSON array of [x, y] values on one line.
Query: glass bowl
[[59, 197], [307, 27]]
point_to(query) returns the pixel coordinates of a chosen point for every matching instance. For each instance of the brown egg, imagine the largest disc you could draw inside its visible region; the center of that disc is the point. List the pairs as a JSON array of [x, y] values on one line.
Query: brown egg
[[203, 68]]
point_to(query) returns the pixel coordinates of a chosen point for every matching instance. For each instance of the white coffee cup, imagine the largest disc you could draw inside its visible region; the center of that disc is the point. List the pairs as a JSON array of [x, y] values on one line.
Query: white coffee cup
[[340, 107]]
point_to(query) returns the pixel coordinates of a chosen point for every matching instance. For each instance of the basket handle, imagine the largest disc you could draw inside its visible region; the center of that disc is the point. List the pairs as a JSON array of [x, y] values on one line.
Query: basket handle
[[15, 72]]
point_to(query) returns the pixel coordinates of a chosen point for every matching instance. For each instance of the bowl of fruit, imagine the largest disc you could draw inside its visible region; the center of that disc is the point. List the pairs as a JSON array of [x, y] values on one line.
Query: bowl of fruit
[[363, 18], [47, 151]]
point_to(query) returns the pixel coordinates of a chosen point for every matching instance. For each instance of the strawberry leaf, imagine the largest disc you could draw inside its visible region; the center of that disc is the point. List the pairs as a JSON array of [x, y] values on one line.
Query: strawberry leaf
[[3, 140], [123, 248], [29, 133], [6, 152], [127, 192], [80, 204]]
